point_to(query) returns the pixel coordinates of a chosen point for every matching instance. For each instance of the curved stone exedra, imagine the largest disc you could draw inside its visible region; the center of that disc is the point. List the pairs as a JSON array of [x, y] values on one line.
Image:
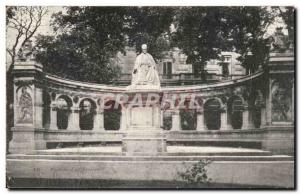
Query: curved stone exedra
[[108, 88]]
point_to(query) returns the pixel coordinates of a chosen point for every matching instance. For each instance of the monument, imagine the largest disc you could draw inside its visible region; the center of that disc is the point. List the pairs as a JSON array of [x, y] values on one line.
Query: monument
[[143, 134], [144, 74]]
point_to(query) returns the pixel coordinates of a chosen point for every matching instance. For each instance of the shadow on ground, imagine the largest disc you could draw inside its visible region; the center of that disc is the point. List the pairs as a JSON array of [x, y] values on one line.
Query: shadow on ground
[[28, 183]]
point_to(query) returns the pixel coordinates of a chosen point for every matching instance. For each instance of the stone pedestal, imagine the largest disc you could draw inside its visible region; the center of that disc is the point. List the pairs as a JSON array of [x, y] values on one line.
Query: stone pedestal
[[144, 143], [143, 135], [28, 132]]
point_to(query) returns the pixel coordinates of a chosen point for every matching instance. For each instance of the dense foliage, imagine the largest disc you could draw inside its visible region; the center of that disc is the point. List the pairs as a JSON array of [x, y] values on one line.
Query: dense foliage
[[203, 32], [89, 37], [288, 16]]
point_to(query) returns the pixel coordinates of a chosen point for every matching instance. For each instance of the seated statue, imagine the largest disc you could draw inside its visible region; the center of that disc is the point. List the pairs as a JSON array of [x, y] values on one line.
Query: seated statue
[[144, 75]]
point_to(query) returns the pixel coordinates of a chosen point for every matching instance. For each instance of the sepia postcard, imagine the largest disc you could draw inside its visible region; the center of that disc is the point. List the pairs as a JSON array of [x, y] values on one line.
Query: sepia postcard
[[150, 97]]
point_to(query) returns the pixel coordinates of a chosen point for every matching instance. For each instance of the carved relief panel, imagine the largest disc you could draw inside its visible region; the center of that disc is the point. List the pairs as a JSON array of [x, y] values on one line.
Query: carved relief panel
[[282, 106], [25, 105]]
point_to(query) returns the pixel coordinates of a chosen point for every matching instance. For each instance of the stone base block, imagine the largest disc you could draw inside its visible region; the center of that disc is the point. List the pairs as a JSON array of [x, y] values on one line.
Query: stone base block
[[26, 141], [147, 143], [26, 147], [279, 140], [278, 146]]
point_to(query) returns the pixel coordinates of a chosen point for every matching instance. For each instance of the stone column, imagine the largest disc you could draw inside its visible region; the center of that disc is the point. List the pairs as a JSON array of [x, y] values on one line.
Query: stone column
[[73, 124], [38, 107], [157, 117], [27, 133], [53, 117], [223, 126], [263, 119], [15, 105], [229, 125], [229, 120], [246, 124], [161, 118], [200, 121], [251, 118], [123, 124], [269, 105], [176, 123], [293, 102], [98, 121]]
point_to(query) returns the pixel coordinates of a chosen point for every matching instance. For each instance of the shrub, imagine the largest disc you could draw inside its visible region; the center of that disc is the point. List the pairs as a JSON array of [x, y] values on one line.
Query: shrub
[[196, 174]]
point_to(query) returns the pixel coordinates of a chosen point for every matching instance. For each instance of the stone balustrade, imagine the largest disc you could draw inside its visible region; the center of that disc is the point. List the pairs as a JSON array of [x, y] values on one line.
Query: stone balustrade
[[61, 87]]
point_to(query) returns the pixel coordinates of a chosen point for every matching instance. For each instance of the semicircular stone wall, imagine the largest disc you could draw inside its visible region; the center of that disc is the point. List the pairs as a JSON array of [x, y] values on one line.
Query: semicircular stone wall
[[59, 112]]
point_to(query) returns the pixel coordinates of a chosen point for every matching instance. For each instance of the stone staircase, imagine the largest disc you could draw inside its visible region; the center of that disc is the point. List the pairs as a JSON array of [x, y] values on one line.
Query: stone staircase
[[228, 166]]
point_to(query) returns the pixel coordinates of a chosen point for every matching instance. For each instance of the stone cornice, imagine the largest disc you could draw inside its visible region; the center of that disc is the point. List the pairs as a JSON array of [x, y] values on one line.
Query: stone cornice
[[71, 85]]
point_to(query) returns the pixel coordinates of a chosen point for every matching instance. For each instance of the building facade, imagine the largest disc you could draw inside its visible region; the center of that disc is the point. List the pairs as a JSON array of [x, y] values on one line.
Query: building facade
[[174, 70]]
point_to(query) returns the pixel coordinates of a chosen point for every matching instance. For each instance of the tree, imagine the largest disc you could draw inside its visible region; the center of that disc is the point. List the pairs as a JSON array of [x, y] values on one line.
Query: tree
[[200, 33], [248, 28], [288, 16], [89, 37], [203, 32], [24, 21], [151, 26]]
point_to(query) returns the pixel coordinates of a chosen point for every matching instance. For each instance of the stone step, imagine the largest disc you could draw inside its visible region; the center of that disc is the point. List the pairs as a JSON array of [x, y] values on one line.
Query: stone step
[[263, 153], [171, 151], [63, 153], [147, 158], [246, 170], [266, 153]]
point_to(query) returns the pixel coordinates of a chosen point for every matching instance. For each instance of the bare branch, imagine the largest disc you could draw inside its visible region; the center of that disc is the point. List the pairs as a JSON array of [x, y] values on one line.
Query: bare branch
[[30, 22], [9, 52], [13, 50], [25, 21]]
